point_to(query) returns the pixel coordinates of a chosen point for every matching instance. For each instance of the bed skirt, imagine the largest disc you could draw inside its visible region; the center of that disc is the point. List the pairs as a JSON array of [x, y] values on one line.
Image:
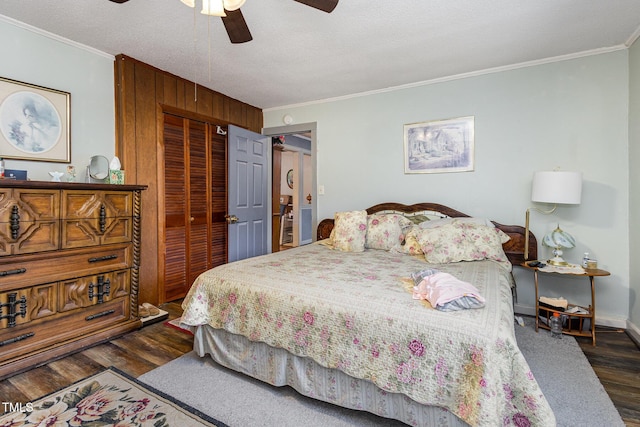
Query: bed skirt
[[278, 367]]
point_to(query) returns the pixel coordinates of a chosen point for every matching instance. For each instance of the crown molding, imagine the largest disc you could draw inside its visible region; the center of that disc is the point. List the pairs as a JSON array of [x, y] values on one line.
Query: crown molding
[[55, 37], [460, 76]]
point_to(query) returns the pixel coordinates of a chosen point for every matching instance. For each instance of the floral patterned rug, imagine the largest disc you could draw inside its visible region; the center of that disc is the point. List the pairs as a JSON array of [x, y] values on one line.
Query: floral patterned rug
[[110, 398]]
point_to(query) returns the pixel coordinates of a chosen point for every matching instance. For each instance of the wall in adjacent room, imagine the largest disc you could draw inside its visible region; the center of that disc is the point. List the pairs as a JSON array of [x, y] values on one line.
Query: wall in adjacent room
[[42, 59], [569, 114]]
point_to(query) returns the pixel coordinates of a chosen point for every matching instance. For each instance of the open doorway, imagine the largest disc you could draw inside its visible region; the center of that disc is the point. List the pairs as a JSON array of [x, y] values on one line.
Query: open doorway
[[294, 203]]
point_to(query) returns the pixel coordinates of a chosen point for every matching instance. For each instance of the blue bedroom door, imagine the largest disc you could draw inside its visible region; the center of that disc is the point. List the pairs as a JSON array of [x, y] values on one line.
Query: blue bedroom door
[[248, 197]]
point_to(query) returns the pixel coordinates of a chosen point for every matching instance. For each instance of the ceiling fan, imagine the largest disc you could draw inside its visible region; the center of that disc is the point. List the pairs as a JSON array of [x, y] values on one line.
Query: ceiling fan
[[234, 23]]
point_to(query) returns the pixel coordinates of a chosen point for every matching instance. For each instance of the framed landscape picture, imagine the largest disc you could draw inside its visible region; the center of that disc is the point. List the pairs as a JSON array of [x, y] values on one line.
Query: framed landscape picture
[[439, 146], [34, 122]]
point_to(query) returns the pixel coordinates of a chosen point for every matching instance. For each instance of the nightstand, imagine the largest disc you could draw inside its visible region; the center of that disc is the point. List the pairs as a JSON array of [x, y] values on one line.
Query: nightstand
[[589, 312]]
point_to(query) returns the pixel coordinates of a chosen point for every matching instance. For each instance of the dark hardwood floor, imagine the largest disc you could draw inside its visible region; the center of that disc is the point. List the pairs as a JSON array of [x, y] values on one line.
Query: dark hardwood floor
[[616, 361], [134, 353]]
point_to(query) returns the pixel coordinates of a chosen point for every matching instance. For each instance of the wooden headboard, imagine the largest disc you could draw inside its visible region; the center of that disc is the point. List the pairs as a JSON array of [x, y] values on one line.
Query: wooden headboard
[[514, 248]]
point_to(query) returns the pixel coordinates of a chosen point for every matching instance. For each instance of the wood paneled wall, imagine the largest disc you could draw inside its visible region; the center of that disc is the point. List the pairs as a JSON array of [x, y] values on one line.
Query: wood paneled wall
[[142, 94]]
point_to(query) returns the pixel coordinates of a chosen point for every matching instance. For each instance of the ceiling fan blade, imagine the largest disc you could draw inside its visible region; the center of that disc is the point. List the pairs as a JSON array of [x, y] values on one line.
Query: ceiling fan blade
[[119, 1], [236, 26], [323, 5]]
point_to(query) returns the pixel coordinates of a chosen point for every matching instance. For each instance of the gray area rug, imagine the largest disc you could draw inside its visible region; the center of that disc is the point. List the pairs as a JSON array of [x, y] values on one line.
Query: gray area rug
[[565, 376]]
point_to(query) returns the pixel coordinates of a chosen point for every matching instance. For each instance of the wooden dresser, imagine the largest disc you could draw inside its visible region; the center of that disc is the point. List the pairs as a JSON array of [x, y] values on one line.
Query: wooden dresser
[[69, 268]]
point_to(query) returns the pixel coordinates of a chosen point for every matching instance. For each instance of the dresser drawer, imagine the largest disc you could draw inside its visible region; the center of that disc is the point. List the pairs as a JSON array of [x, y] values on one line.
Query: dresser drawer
[[19, 272], [26, 305], [92, 218], [91, 290], [80, 204], [94, 232], [29, 237], [31, 338], [29, 221], [29, 205]]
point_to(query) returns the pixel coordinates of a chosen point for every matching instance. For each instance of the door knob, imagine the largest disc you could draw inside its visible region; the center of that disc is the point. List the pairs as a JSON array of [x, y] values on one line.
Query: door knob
[[231, 219]]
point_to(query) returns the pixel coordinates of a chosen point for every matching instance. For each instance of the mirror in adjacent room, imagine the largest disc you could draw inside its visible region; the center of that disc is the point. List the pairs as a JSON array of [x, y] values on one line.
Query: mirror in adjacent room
[[99, 168]]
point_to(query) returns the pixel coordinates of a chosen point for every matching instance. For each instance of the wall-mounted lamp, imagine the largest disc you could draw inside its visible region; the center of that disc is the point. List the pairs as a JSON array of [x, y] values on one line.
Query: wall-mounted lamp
[[557, 187]]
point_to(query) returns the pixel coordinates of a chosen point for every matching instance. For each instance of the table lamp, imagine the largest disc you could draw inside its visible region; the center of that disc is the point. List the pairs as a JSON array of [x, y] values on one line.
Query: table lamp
[[558, 239], [557, 187]]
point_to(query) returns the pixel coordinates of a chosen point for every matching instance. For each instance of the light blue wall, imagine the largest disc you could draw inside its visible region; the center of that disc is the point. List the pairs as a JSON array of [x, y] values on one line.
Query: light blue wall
[[34, 57], [634, 183], [570, 114]]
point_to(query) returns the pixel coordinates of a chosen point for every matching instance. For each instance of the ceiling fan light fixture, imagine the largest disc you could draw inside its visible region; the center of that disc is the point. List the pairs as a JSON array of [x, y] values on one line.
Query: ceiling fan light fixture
[[213, 8], [190, 3], [233, 4]]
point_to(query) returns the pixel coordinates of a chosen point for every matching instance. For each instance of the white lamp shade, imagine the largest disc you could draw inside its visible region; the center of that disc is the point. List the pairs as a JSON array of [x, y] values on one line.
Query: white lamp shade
[[557, 187], [233, 4], [190, 3], [213, 8]]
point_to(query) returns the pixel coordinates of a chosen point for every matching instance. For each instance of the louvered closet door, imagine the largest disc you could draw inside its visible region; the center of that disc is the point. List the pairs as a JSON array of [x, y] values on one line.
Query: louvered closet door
[[199, 230], [195, 202], [175, 206]]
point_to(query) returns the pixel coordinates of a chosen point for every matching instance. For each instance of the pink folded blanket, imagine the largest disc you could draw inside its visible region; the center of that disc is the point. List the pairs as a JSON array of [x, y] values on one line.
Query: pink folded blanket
[[447, 293]]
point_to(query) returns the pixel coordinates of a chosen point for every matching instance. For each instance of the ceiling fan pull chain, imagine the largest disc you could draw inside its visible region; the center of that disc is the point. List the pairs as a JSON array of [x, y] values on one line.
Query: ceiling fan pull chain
[[209, 40]]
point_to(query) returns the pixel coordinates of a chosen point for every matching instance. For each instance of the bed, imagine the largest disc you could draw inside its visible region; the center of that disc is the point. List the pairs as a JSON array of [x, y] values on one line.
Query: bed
[[341, 323]]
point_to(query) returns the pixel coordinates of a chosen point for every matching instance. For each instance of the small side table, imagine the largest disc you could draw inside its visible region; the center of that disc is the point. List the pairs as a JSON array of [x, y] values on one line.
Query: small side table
[[590, 311]]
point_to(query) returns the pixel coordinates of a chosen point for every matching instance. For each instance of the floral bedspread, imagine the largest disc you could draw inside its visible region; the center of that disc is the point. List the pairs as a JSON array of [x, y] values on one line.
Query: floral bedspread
[[354, 312]]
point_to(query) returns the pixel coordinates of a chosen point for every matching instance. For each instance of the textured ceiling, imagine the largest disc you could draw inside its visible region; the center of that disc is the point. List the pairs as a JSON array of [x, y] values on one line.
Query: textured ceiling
[[299, 54]]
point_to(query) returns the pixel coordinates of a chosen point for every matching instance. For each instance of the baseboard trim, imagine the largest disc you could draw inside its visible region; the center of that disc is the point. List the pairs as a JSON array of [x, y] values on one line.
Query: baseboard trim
[[634, 332]]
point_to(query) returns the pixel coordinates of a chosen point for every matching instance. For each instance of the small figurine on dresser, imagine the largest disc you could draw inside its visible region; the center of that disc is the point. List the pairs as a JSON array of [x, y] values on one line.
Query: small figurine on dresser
[[71, 173], [55, 176]]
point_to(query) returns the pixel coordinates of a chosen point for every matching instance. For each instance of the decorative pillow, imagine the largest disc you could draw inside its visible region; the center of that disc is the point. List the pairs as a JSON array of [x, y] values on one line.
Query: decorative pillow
[[462, 241], [488, 243], [417, 219], [463, 220], [384, 231], [444, 244], [405, 222], [349, 231], [410, 244]]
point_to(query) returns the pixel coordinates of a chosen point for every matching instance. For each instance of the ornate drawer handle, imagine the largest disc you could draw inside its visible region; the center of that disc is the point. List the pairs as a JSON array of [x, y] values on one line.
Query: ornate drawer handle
[[10, 272], [103, 218], [103, 258], [97, 315], [103, 288], [16, 339], [14, 222], [11, 306]]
